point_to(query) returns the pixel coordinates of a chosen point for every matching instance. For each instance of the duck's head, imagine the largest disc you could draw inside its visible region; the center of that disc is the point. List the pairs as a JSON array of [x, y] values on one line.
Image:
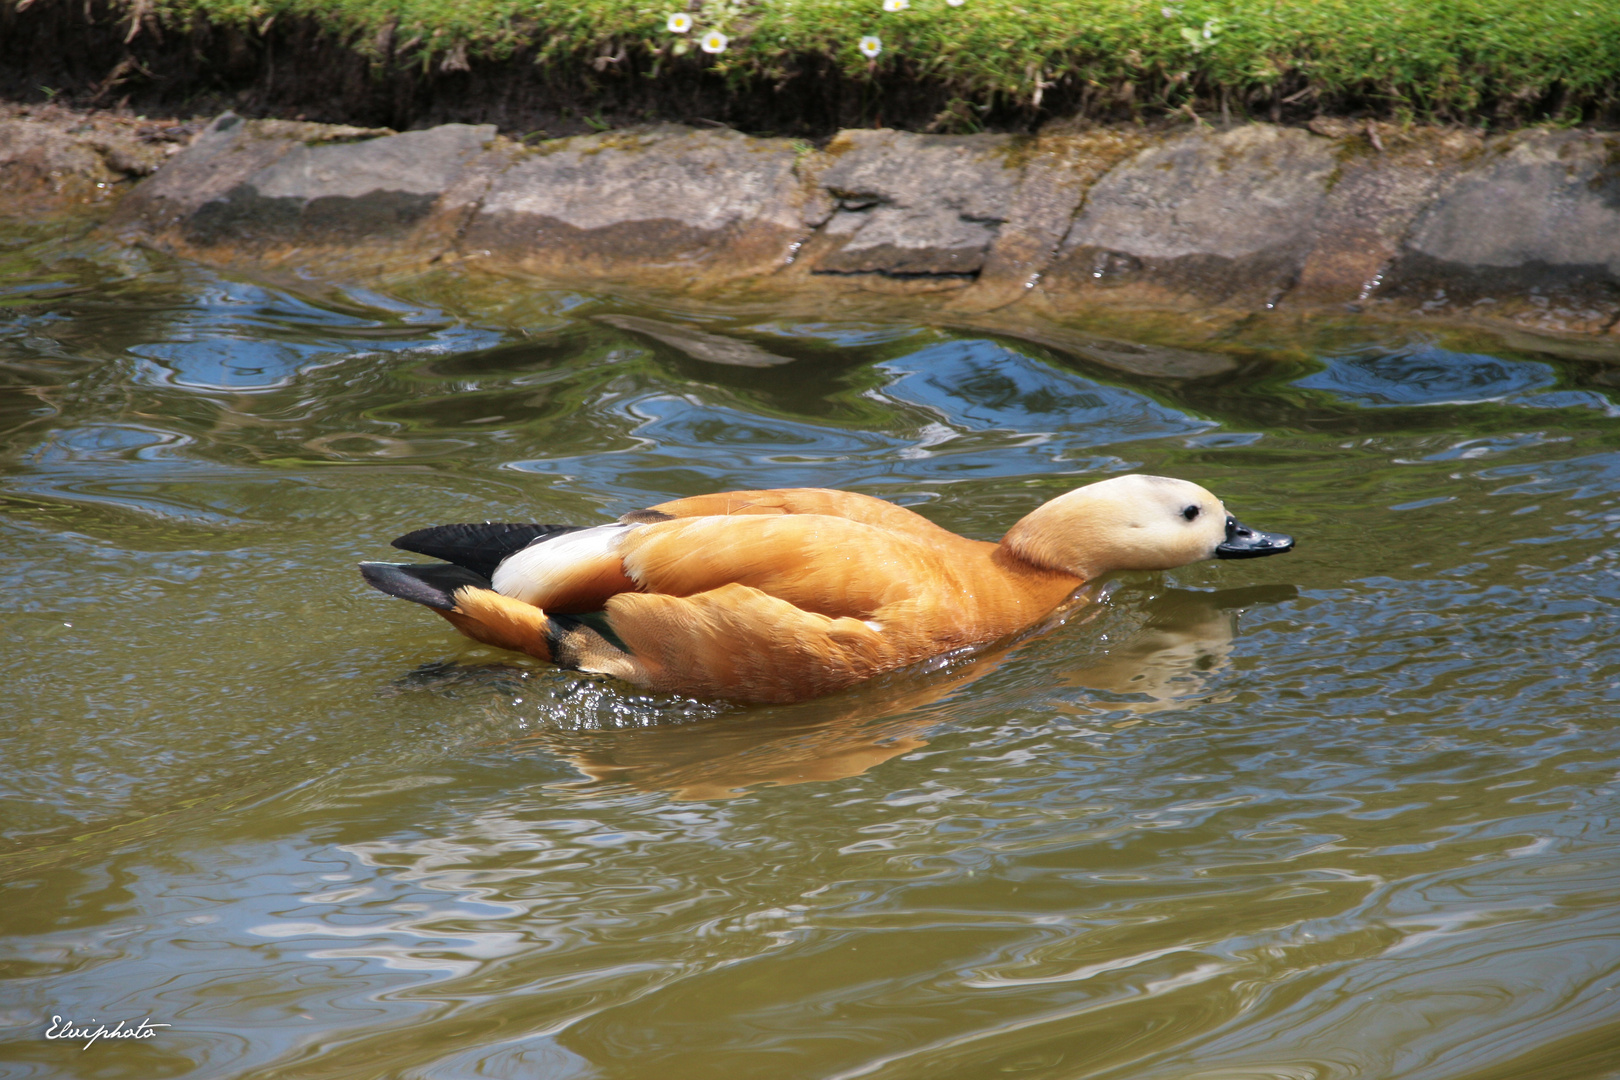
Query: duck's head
[[1135, 523]]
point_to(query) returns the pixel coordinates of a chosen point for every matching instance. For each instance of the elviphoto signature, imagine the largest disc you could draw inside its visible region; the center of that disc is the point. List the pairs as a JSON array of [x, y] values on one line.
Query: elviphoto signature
[[64, 1029]]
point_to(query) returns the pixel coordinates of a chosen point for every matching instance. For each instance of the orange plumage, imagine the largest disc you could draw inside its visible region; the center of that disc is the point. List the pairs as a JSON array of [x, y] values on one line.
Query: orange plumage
[[787, 594]]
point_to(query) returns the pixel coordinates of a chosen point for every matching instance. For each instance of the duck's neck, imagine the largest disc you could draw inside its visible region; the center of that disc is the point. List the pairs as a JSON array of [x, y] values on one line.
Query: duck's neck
[[1065, 535], [1045, 587]]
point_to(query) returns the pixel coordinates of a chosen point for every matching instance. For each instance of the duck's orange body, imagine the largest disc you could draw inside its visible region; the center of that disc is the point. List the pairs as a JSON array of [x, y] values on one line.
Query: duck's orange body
[[751, 595]]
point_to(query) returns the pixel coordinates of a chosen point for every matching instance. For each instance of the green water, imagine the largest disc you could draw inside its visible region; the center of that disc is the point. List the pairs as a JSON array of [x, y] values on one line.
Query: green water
[[1350, 812]]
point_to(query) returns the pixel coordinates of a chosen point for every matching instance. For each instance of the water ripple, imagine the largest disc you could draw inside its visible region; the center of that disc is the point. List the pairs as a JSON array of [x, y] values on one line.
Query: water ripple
[[1349, 813]]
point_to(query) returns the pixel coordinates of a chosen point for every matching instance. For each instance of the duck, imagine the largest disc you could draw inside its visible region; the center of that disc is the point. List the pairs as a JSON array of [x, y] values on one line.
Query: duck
[[787, 594]]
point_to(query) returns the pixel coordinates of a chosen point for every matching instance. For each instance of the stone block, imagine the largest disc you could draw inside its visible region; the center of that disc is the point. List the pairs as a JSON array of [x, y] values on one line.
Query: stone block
[[664, 205], [1384, 179], [277, 182], [913, 204], [1205, 218], [1056, 171], [1530, 232]]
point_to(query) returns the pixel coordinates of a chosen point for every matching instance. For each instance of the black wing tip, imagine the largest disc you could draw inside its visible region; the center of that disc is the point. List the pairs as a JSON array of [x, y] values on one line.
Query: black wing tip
[[453, 536], [478, 546], [432, 585]]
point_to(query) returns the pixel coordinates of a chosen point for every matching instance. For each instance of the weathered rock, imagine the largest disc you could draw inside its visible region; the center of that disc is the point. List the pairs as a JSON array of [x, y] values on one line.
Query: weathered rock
[[128, 156], [665, 205], [1531, 233], [59, 161], [1385, 177], [34, 157], [1224, 218], [1056, 172], [913, 204], [378, 187], [273, 182], [698, 344]]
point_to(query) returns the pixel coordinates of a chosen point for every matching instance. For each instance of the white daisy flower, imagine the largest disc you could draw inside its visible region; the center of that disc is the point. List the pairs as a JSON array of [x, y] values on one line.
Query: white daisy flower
[[679, 23], [871, 46], [896, 5], [714, 42]]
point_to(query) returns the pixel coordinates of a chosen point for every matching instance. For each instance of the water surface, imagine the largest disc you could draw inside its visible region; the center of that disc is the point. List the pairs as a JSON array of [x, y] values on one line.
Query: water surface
[[1346, 813]]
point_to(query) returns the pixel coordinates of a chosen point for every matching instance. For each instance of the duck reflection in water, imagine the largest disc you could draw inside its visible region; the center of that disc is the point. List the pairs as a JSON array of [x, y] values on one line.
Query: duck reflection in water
[[1167, 645]]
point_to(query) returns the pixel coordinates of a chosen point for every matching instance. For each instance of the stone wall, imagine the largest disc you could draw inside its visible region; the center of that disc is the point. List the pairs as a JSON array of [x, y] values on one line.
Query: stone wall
[[1522, 228]]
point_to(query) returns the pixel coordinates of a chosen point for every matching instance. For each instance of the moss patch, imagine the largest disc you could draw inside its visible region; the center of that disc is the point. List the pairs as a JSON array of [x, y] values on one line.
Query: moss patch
[[938, 66]]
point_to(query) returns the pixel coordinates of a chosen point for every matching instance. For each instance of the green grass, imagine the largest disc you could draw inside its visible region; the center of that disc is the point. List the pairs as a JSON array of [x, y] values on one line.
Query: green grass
[[1453, 60]]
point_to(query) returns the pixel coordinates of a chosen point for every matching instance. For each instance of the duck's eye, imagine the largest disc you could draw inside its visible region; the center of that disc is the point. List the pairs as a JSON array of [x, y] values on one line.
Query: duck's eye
[[1190, 513]]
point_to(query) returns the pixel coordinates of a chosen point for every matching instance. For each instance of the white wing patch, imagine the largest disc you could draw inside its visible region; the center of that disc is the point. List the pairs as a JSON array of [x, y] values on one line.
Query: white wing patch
[[534, 572]]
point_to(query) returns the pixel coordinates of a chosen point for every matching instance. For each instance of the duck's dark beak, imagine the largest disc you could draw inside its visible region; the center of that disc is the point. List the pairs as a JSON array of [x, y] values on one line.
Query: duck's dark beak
[[1243, 542]]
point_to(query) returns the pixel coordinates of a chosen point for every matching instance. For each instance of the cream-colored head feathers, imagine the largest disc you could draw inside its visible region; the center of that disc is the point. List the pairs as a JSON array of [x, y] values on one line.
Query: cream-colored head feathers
[[1124, 523]]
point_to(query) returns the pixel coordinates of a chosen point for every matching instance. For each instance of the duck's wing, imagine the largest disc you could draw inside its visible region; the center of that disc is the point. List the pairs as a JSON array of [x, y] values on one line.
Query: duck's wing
[[832, 566], [575, 569], [779, 501], [588, 574], [479, 546], [572, 573]]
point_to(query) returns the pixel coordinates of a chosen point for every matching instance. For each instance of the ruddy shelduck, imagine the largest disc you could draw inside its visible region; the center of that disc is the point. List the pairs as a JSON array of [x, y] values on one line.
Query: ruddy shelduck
[[774, 596]]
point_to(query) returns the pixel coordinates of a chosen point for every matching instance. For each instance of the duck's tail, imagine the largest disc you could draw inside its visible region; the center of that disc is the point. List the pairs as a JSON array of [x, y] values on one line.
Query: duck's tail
[[433, 585], [467, 602]]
